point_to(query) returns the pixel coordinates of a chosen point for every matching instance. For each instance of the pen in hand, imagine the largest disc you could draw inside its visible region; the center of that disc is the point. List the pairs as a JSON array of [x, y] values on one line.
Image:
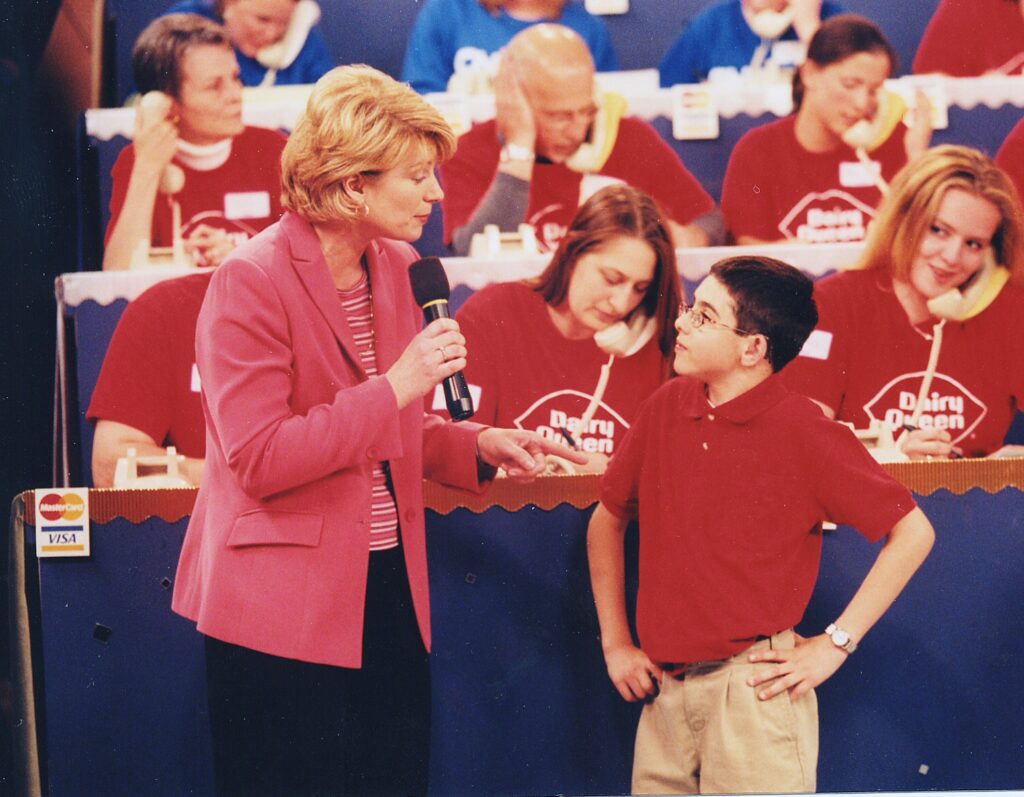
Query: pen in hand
[[953, 452], [568, 437]]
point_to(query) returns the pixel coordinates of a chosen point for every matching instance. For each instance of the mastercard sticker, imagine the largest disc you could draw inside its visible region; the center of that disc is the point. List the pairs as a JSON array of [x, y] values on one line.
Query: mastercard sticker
[[62, 522]]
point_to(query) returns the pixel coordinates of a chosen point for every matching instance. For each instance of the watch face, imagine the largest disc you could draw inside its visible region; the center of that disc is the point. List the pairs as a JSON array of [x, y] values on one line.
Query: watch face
[[840, 637]]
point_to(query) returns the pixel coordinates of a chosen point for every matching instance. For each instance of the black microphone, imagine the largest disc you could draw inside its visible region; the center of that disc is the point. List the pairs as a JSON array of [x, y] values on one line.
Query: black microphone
[[430, 287]]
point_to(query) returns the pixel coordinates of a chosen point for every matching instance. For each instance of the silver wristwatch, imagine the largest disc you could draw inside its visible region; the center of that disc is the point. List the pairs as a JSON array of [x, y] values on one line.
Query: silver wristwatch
[[516, 152], [841, 638]]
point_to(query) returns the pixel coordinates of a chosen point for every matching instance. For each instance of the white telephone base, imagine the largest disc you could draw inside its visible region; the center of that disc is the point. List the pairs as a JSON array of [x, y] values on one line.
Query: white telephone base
[[878, 440], [493, 243], [146, 256], [161, 470]]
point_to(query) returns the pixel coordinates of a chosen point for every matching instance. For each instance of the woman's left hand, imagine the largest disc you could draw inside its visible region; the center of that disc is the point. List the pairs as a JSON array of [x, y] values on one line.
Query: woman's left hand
[[521, 454], [919, 133]]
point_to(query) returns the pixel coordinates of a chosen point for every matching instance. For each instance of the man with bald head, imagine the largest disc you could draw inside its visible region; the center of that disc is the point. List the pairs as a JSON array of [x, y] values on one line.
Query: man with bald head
[[554, 141]]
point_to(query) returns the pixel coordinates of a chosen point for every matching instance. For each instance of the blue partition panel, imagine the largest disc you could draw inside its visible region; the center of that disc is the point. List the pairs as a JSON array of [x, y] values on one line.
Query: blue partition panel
[[124, 676], [522, 704]]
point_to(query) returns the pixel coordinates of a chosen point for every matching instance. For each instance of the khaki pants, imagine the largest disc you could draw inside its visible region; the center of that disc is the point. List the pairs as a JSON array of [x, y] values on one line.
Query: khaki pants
[[706, 732]]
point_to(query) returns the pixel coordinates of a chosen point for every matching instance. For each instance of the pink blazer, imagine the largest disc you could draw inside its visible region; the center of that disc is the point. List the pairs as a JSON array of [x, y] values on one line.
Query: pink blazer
[[276, 553]]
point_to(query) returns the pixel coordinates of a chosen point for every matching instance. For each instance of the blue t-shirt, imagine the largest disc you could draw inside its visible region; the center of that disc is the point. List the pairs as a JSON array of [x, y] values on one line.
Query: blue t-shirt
[[312, 62], [462, 34], [720, 36]]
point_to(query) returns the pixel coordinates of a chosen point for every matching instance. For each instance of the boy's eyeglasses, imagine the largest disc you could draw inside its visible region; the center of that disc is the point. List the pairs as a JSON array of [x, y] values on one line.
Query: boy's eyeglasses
[[698, 318]]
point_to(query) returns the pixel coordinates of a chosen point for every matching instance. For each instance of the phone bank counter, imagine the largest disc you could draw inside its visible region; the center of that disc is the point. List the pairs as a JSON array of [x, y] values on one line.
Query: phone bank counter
[[110, 686]]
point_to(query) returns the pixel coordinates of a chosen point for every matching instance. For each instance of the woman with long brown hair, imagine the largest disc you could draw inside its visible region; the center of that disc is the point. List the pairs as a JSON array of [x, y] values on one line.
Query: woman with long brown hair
[[573, 353]]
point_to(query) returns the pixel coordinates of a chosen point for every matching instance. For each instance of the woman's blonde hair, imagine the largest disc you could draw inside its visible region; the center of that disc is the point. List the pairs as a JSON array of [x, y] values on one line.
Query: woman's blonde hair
[[913, 201], [358, 121]]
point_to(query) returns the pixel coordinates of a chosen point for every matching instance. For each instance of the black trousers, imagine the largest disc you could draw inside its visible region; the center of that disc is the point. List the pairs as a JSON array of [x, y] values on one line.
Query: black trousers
[[287, 727]]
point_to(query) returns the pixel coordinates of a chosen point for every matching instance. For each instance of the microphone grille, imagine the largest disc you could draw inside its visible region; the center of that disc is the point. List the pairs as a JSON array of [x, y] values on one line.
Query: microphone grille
[[429, 282]]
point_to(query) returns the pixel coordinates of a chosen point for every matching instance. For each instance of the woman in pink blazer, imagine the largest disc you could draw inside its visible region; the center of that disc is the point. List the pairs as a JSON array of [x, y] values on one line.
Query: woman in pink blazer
[[304, 564]]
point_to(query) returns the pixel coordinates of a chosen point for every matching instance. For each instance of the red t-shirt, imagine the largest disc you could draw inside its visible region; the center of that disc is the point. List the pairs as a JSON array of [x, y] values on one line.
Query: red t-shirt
[[640, 158], [149, 378], [865, 360], [524, 374], [241, 196], [1010, 157], [967, 38], [730, 501], [774, 188]]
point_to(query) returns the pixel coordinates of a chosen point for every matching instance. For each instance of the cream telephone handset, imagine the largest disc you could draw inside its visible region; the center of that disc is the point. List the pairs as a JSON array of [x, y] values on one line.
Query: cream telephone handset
[[621, 339], [626, 338], [870, 134], [975, 295], [282, 53], [594, 152], [769, 24], [153, 108]]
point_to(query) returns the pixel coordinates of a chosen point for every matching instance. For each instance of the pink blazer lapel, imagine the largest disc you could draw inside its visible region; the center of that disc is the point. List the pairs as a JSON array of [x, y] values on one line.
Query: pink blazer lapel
[[308, 261]]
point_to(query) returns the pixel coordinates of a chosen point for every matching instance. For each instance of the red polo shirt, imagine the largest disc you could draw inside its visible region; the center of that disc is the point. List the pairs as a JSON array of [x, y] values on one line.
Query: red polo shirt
[[730, 501]]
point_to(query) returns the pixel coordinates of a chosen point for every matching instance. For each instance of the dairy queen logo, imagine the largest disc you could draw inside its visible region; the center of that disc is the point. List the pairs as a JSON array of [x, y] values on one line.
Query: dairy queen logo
[[948, 405]]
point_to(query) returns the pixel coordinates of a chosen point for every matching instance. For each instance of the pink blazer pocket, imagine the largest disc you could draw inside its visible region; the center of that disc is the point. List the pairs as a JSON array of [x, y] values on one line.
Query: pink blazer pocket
[[274, 527]]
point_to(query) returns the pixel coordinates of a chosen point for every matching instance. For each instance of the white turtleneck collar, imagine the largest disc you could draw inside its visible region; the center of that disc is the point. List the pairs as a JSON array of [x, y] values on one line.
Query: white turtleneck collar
[[203, 157]]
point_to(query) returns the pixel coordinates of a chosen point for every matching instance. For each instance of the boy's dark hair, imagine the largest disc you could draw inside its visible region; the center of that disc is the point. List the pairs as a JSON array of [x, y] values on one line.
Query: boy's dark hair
[[772, 298], [160, 48]]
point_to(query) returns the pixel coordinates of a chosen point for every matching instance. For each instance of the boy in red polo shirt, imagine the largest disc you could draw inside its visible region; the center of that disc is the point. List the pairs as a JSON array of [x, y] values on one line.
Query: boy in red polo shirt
[[731, 475]]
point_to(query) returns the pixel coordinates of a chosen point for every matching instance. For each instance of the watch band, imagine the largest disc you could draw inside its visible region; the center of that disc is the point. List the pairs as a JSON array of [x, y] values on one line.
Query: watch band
[[516, 152], [841, 638]]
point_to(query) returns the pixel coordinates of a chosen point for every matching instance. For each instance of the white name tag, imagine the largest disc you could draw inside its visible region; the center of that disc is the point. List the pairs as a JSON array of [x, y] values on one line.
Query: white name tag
[[818, 345], [854, 174], [196, 384], [247, 205]]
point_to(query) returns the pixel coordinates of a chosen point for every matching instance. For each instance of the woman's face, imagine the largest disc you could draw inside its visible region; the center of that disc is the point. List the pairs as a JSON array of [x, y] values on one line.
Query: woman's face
[[839, 95], [400, 199], [254, 24], [954, 244], [209, 102], [608, 282]]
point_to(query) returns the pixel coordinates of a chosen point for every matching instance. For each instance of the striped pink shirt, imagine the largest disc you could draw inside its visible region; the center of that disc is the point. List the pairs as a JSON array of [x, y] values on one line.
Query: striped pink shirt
[[357, 302]]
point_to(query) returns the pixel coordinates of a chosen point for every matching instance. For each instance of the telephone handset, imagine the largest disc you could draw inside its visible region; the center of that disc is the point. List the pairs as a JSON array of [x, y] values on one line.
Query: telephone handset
[[594, 152], [975, 295], [769, 24], [282, 53], [626, 338], [870, 134], [155, 107]]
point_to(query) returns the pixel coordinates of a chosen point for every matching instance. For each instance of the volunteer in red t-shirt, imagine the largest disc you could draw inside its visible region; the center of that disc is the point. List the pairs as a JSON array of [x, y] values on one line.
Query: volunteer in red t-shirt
[[148, 392], [802, 178], [920, 335], [232, 185], [555, 140], [1010, 157], [604, 305], [968, 38]]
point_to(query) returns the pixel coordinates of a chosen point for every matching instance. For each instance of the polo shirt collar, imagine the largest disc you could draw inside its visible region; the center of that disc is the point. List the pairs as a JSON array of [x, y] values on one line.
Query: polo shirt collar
[[742, 409]]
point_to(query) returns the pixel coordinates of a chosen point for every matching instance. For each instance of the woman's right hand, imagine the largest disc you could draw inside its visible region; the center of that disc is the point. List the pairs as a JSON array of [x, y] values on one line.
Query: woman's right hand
[[925, 443], [155, 145], [434, 354]]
